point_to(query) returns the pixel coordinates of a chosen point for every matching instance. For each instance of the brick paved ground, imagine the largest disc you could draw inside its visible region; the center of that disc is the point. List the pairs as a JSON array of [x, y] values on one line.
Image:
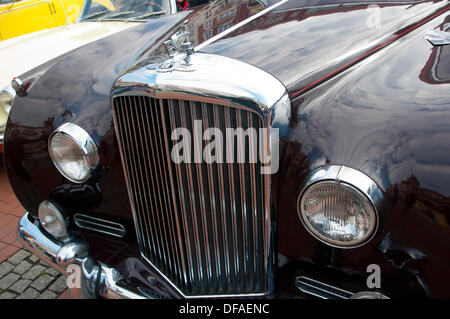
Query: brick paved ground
[[22, 275]]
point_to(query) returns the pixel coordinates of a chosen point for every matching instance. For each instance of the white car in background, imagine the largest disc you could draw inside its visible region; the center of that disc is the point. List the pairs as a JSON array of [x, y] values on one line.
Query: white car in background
[[98, 19]]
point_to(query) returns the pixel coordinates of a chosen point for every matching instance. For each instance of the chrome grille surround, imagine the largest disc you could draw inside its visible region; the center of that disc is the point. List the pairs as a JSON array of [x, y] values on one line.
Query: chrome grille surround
[[191, 239]]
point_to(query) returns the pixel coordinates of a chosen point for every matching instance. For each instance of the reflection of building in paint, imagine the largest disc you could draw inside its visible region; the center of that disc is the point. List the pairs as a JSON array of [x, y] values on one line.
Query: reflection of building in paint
[[284, 13], [220, 16]]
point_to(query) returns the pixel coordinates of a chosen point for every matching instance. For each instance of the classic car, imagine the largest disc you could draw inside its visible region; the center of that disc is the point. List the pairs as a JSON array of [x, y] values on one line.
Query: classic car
[[349, 101], [98, 19], [19, 17]]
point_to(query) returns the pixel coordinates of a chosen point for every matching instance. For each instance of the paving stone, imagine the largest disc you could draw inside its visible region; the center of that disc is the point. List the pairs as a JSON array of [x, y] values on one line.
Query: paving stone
[[52, 272], [34, 258], [43, 263], [42, 282], [48, 295], [20, 285], [5, 267], [34, 272], [8, 295], [22, 267], [8, 280], [30, 293], [59, 285], [18, 257]]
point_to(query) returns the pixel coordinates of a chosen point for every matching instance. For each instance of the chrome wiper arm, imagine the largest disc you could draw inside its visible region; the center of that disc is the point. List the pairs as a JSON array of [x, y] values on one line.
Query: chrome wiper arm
[[150, 14], [116, 14], [96, 14]]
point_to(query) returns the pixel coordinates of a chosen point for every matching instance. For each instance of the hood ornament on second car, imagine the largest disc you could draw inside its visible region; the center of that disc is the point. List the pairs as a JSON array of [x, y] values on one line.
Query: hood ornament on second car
[[180, 50], [179, 42]]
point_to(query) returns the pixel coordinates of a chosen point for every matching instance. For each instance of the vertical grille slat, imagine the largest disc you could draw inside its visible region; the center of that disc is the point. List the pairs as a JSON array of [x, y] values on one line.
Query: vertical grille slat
[[204, 225], [183, 206], [182, 256]]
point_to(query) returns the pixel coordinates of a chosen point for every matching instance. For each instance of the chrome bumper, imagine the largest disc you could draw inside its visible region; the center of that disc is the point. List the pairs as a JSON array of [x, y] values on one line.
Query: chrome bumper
[[96, 280]]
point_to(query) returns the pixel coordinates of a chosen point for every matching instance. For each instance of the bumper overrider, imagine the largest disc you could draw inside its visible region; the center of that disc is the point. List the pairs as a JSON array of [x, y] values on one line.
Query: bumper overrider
[[95, 280]]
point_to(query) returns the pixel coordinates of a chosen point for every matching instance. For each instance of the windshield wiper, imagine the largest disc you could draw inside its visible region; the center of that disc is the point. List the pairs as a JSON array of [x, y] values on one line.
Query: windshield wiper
[[143, 17], [115, 15], [94, 15], [150, 14]]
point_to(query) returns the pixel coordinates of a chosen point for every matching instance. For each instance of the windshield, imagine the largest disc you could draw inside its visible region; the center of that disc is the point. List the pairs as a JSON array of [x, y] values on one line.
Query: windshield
[[119, 10]]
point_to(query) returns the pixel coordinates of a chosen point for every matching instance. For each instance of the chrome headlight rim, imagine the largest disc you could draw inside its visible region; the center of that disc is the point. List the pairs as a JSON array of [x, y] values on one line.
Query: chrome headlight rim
[[353, 179], [11, 93], [85, 144]]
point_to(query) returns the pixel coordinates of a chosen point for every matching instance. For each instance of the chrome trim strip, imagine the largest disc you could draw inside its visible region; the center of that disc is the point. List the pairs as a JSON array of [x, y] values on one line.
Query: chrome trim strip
[[237, 26], [215, 82], [89, 222], [320, 289], [325, 291]]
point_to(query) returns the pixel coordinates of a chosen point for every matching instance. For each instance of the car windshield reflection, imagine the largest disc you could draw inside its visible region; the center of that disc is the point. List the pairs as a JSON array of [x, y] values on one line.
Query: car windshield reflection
[[120, 10]]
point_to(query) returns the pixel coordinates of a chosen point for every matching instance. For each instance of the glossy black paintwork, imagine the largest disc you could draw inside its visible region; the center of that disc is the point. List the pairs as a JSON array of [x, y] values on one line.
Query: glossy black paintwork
[[387, 116], [76, 88], [301, 45]]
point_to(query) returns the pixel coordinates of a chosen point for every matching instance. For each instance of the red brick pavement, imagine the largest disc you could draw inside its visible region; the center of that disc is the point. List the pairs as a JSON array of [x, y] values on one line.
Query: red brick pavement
[[10, 212]]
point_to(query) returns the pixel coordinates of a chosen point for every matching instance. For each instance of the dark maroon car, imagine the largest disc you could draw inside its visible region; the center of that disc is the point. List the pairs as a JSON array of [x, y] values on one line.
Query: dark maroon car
[[276, 149]]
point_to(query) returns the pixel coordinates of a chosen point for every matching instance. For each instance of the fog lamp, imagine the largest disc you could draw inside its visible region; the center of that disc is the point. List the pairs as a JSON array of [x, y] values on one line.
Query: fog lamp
[[338, 207], [52, 219]]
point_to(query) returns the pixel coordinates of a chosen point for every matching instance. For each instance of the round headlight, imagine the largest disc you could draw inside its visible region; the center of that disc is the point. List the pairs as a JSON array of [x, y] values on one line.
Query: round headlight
[[340, 210], [73, 152], [52, 219], [7, 96]]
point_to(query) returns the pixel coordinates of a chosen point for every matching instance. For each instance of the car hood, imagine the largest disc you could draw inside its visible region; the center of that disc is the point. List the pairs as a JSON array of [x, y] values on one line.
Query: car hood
[[23, 53]]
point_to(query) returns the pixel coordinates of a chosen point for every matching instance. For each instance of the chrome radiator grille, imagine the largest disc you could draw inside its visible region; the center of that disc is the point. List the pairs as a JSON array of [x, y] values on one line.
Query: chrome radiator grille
[[206, 227]]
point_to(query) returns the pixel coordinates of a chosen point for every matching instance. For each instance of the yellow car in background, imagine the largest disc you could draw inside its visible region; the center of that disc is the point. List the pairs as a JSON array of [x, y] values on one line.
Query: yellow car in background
[[19, 17]]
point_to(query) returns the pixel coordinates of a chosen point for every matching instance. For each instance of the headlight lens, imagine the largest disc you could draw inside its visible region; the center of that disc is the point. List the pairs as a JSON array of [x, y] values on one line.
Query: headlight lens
[[7, 96], [52, 219], [73, 152], [338, 213]]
